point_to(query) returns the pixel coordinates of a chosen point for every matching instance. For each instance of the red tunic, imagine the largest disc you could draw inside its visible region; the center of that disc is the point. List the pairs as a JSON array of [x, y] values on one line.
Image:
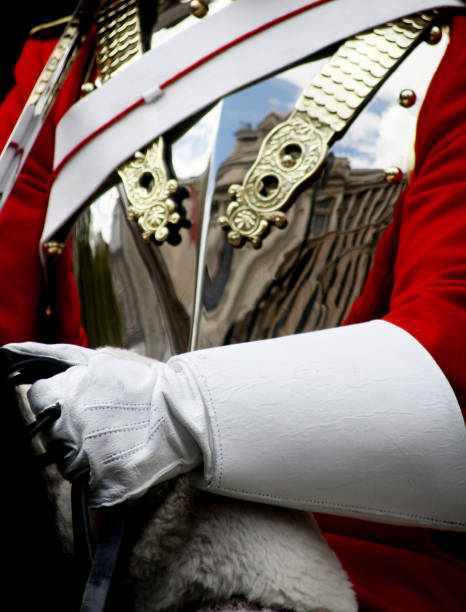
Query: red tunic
[[418, 282], [25, 299]]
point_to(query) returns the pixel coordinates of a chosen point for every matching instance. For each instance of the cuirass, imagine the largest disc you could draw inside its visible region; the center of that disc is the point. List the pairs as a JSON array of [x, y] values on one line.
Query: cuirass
[[195, 289]]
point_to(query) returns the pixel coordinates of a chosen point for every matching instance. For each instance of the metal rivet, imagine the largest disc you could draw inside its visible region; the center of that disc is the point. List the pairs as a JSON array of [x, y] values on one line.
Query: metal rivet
[[407, 98], [53, 247], [288, 161], [199, 8], [393, 175], [87, 87], [435, 35]]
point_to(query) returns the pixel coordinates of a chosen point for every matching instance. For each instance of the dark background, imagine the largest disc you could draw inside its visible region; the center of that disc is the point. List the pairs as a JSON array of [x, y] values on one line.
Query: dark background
[[17, 19]]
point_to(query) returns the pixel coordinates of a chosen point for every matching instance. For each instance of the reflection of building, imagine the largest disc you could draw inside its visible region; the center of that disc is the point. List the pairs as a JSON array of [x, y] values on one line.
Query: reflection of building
[[125, 290], [307, 275], [304, 277]]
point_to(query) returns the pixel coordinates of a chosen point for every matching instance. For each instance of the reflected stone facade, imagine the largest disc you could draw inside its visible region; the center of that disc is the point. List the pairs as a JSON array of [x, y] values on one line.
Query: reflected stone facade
[[141, 295], [307, 275]]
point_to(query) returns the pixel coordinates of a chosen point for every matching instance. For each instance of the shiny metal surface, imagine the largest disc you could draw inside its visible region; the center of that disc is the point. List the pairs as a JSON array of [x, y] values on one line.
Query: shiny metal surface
[[294, 150], [162, 299]]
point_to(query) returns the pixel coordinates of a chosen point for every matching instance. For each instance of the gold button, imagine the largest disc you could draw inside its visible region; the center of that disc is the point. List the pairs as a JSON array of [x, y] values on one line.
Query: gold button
[[407, 98], [435, 35], [199, 8], [393, 175]]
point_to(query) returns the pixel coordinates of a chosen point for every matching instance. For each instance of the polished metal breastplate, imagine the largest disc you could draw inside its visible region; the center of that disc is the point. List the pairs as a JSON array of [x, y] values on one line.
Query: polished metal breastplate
[[196, 290]]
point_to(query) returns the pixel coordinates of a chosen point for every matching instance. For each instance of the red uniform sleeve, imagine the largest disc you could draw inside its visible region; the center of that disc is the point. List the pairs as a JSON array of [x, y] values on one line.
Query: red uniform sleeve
[[418, 281], [24, 300]]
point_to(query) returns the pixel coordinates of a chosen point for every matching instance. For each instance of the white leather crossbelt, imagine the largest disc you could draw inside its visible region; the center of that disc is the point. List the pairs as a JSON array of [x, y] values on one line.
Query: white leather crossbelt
[[193, 70]]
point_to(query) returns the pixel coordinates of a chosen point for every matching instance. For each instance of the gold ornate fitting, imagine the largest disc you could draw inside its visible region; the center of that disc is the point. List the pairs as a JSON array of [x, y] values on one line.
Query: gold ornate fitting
[[118, 36], [293, 152], [145, 176], [149, 190]]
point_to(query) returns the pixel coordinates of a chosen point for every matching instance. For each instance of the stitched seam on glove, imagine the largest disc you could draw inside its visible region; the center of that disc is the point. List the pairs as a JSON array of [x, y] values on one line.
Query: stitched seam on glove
[[109, 430], [110, 406], [134, 449]]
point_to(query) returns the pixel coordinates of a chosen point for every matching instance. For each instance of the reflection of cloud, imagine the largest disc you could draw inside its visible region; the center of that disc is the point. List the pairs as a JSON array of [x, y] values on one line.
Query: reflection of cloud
[[383, 134], [380, 136], [279, 105], [301, 76], [192, 152], [395, 138]]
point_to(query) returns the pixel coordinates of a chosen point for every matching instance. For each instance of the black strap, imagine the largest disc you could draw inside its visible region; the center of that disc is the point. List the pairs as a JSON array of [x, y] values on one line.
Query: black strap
[[96, 570], [99, 581]]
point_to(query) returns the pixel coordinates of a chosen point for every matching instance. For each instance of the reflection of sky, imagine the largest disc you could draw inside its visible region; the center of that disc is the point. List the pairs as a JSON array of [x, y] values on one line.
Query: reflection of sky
[[191, 153], [383, 135], [380, 137], [248, 107]]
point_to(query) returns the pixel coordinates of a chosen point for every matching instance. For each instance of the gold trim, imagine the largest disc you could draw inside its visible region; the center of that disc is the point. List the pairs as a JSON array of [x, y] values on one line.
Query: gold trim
[[293, 152], [118, 36], [145, 176], [53, 63], [49, 27]]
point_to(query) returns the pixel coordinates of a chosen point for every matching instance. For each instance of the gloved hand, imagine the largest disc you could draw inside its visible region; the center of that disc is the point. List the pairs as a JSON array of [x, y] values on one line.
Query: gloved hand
[[357, 420], [116, 419]]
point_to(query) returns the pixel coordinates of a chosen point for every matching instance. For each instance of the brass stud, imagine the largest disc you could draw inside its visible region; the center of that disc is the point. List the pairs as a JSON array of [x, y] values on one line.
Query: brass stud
[[199, 8], [407, 98], [87, 88], [435, 35], [288, 161], [393, 175], [53, 247]]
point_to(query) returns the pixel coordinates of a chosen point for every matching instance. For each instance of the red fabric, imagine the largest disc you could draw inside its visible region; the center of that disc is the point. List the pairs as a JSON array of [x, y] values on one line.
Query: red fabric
[[418, 282], [24, 299]]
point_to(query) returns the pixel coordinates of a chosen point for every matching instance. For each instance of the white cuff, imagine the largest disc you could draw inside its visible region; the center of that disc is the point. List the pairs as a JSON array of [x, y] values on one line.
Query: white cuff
[[358, 421]]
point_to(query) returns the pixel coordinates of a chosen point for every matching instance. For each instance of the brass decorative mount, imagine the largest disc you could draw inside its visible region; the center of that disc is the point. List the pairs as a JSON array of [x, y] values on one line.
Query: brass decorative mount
[[293, 152], [145, 176], [149, 191], [290, 154]]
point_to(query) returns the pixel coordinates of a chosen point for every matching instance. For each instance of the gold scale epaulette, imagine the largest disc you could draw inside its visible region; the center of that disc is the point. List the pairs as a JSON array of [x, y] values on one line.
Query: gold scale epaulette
[[51, 29]]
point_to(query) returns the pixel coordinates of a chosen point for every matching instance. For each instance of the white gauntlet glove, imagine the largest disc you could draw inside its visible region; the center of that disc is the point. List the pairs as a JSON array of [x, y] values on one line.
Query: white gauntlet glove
[[358, 421], [122, 419]]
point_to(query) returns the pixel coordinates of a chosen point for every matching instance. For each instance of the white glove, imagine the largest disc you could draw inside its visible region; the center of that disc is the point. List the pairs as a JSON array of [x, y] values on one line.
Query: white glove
[[358, 421], [119, 419]]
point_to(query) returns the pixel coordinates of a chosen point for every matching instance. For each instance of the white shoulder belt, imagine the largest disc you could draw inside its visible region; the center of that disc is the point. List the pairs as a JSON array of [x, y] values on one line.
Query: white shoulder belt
[[190, 71]]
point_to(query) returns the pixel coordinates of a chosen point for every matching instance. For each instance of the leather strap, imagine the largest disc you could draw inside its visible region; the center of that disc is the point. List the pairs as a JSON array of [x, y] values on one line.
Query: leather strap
[[99, 581]]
